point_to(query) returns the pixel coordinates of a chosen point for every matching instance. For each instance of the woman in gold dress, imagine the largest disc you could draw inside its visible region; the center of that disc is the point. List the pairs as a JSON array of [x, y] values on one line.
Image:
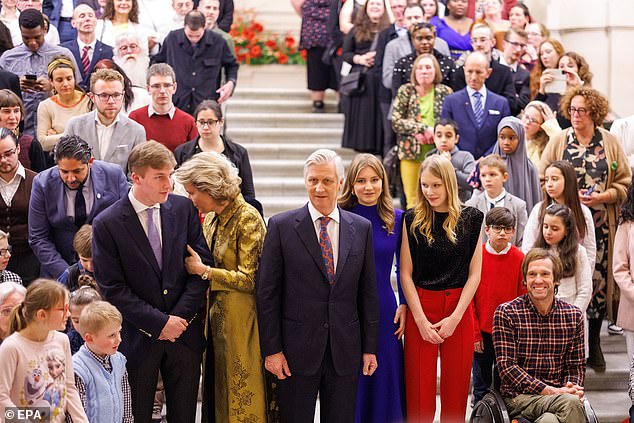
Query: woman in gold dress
[[235, 232]]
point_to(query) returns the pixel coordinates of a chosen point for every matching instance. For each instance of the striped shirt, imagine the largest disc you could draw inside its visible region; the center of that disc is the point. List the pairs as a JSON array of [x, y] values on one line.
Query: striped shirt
[[534, 351]]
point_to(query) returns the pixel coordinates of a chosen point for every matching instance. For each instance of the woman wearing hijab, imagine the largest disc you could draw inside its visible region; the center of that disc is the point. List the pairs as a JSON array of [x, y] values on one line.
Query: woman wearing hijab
[[523, 177]]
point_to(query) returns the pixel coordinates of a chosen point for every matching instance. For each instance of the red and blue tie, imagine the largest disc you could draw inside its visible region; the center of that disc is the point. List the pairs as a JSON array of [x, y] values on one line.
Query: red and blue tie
[[326, 249]]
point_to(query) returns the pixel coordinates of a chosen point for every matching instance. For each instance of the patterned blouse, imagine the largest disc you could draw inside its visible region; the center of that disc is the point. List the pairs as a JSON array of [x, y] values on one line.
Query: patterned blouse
[[407, 121], [403, 69]]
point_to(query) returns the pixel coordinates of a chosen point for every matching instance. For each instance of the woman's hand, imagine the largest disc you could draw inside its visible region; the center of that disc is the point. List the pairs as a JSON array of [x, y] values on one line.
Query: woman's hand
[[478, 346], [428, 333], [399, 317], [572, 78], [193, 263], [51, 131], [446, 326], [592, 200], [548, 114], [366, 59], [545, 79]]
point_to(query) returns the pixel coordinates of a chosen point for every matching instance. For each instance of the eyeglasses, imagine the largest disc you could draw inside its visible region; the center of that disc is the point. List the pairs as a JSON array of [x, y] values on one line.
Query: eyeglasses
[[529, 119], [105, 97], [129, 47], [157, 87], [534, 34], [522, 46], [64, 309], [7, 155], [498, 229], [581, 111], [6, 251], [208, 122]]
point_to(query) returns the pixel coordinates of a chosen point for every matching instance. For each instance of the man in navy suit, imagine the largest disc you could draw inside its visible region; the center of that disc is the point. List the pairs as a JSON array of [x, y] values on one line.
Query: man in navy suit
[[65, 197], [475, 109], [85, 22], [317, 301], [139, 250]]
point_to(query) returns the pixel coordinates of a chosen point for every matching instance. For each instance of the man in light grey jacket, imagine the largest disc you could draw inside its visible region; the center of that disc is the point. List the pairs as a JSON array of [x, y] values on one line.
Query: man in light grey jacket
[[110, 134]]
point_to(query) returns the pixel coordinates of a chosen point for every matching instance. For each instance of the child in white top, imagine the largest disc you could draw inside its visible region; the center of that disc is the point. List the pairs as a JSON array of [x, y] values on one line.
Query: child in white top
[[36, 368]]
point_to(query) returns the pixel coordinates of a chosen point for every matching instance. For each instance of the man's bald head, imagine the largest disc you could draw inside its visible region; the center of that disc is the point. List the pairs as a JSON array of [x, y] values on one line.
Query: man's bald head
[[476, 70]]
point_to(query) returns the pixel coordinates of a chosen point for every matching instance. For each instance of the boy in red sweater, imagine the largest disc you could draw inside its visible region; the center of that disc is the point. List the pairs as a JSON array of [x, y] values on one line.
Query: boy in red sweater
[[501, 281]]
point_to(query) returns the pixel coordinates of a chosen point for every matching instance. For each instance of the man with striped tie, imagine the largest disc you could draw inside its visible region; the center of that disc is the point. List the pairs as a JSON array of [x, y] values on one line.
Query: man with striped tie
[[317, 300], [86, 49], [475, 109]]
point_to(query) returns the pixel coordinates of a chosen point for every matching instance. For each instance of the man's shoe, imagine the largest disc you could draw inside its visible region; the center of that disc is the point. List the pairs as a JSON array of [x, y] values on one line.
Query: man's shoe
[[614, 329]]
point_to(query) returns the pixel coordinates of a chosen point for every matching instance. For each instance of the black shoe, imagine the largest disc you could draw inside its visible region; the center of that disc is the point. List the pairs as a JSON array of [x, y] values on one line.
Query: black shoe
[[318, 107]]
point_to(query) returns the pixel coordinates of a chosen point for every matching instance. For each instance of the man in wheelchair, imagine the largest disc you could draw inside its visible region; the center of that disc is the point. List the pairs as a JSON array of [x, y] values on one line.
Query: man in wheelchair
[[539, 347]]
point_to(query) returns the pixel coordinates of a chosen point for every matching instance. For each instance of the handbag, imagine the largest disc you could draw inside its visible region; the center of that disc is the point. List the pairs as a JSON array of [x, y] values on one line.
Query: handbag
[[391, 162], [330, 52], [353, 83]]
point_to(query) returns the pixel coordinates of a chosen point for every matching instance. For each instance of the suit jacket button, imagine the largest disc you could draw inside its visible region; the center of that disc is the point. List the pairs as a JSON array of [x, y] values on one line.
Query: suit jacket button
[[165, 292], [325, 325]]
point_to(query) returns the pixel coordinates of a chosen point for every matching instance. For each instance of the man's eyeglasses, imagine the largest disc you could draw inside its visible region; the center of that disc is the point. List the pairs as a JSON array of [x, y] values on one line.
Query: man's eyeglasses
[[157, 87], [498, 229], [581, 111], [105, 97], [129, 47], [522, 46], [208, 122], [7, 155], [4, 252]]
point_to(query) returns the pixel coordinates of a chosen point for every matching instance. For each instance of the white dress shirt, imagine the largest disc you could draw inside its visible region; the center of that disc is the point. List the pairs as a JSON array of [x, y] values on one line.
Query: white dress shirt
[[141, 213], [91, 51], [333, 228], [104, 134], [483, 92], [8, 189], [72, 193]]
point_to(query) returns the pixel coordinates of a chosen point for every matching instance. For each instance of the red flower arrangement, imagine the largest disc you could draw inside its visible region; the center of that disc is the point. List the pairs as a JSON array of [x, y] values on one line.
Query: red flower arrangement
[[255, 47]]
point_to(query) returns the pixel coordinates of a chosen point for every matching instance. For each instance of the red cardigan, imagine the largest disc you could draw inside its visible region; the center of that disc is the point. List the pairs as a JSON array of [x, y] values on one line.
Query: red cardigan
[[169, 132], [501, 281]]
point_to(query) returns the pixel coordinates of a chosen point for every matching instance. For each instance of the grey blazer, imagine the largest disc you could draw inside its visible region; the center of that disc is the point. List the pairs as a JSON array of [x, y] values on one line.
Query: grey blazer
[[511, 202], [127, 134]]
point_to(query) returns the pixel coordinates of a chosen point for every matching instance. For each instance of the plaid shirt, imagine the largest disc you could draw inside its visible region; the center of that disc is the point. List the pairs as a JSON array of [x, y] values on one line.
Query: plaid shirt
[[7, 276], [533, 351], [125, 387]]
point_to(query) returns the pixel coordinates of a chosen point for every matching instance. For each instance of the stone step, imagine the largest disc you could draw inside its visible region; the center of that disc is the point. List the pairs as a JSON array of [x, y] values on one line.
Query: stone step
[[610, 407], [273, 186], [248, 105], [612, 343], [277, 204], [293, 151], [615, 378], [280, 94], [285, 120], [246, 135]]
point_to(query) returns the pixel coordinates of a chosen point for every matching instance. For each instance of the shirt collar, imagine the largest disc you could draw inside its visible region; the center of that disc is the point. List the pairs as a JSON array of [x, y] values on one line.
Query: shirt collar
[[151, 111], [315, 215], [139, 206], [116, 119], [104, 361], [503, 62], [491, 250], [82, 45], [482, 91], [20, 173], [496, 199]]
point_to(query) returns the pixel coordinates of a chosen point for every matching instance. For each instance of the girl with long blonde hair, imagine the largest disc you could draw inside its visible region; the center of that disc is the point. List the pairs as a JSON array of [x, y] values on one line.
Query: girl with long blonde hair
[[441, 260]]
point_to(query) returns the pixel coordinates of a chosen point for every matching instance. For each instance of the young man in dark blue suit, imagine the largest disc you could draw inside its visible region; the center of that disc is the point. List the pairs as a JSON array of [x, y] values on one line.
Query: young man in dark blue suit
[[317, 301], [85, 22], [475, 109], [139, 250]]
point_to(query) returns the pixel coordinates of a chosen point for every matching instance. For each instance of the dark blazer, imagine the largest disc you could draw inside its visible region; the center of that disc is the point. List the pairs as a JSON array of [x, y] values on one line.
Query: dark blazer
[[500, 82], [384, 37], [225, 15], [197, 69], [299, 313], [236, 153], [53, 9], [129, 276], [477, 141], [51, 231], [10, 81], [102, 51], [521, 81]]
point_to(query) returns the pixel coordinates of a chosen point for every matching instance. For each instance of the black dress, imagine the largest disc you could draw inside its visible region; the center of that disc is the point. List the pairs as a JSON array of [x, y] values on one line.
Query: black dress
[[363, 128]]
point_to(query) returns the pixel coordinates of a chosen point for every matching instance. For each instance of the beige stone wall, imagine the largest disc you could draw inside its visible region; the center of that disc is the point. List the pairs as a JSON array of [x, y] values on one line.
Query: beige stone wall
[[601, 30]]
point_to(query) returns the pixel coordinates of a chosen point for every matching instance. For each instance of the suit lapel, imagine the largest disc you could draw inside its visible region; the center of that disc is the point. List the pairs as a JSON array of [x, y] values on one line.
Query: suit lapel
[[58, 192], [346, 240], [167, 230], [132, 224], [306, 231], [117, 134]]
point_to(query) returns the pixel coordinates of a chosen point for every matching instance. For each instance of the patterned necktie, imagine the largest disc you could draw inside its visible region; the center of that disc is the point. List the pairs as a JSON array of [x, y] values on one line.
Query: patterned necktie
[[326, 249], [80, 207], [153, 237], [85, 61], [478, 109]]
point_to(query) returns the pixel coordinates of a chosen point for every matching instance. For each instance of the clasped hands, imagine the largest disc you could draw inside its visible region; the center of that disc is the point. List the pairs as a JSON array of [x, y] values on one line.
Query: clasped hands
[[437, 333], [568, 388]]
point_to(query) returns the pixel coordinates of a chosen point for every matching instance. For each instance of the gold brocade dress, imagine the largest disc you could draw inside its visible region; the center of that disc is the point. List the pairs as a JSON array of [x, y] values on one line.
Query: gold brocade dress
[[235, 238]]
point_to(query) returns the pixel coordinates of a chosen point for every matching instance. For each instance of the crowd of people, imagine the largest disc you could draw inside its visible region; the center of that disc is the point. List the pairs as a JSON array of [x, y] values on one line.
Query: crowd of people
[[135, 261]]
